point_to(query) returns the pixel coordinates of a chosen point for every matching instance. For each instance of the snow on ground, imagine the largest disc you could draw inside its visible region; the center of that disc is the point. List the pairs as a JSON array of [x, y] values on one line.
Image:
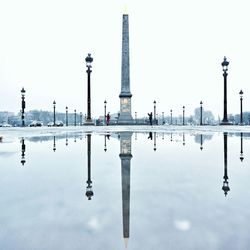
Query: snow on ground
[[48, 131]]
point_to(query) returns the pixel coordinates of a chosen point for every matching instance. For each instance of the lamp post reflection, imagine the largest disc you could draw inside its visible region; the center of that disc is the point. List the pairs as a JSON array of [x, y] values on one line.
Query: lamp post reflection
[[105, 143], [54, 143], [67, 141], [183, 139], [89, 192], [241, 147], [125, 156], [23, 151], [154, 141], [171, 136], [201, 141], [225, 186]]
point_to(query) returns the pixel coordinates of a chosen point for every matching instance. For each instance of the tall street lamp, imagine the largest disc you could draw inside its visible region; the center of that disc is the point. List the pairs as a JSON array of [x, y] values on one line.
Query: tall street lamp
[[154, 111], [54, 107], [224, 65], [201, 113], [183, 115], [80, 118], [171, 116], [241, 115], [105, 113], [23, 106], [67, 123], [88, 60], [75, 117]]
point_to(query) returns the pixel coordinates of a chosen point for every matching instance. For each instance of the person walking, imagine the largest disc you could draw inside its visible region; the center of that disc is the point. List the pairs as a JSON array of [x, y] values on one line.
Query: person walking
[[108, 118], [150, 116]]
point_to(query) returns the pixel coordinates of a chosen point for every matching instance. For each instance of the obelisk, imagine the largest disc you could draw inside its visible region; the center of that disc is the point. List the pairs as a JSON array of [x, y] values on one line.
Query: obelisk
[[125, 116], [125, 156]]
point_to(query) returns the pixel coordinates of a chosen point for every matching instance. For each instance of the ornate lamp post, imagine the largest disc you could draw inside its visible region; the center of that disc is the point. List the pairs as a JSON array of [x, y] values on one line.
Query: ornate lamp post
[[241, 114], [89, 192], [224, 65], [23, 152], [183, 116], [67, 123], [75, 117], [54, 107], [105, 113], [80, 118], [241, 147], [171, 116], [225, 186], [89, 60], [23, 106], [201, 113], [154, 111]]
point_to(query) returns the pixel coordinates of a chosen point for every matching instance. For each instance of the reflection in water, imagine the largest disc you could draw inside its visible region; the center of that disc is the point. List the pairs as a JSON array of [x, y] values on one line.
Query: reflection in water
[[183, 139], [125, 156], [54, 143], [105, 141], [201, 141], [150, 136], [89, 192], [154, 141], [225, 186], [171, 137], [67, 140], [241, 147], [23, 151]]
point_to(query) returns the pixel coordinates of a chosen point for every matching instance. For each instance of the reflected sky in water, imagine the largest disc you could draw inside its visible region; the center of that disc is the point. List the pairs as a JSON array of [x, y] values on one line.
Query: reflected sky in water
[[118, 190]]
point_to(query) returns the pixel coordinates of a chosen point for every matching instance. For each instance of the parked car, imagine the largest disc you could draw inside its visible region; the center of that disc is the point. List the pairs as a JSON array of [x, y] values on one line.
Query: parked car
[[36, 124], [58, 124], [6, 125]]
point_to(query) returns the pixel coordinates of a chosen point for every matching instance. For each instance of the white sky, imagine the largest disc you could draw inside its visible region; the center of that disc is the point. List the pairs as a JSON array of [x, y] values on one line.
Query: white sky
[[176, 50]]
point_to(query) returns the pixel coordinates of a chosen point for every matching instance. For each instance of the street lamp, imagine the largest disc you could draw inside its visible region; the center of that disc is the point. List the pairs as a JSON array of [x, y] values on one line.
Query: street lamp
[[23, 106], [241, 147], [163, 122], [224, 65], [241, 115], [105, 113], [80, 118], [67, 123], [54, 107], [88, 60], [201, 113], [154, 111], [75, 117], [171, 116], [183, 115]]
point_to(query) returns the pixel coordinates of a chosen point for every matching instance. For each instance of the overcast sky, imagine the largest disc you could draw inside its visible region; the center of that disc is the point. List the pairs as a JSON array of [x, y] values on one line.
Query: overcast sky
[[176, 50]]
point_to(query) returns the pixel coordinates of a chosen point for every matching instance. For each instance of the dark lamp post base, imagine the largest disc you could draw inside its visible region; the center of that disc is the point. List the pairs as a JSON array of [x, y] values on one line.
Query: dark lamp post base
[[225, 122]]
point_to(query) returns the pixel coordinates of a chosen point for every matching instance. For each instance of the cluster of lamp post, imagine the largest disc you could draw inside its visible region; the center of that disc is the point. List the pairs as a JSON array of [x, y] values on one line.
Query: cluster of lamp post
[[88, 119]]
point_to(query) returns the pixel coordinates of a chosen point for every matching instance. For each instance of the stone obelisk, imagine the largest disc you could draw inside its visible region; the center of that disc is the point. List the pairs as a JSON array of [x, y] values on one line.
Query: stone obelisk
[[125, 156], [125, 116]]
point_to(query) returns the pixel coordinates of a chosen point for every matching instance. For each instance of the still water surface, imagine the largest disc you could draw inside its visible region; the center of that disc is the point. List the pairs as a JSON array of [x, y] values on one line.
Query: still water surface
[[117, 190]]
